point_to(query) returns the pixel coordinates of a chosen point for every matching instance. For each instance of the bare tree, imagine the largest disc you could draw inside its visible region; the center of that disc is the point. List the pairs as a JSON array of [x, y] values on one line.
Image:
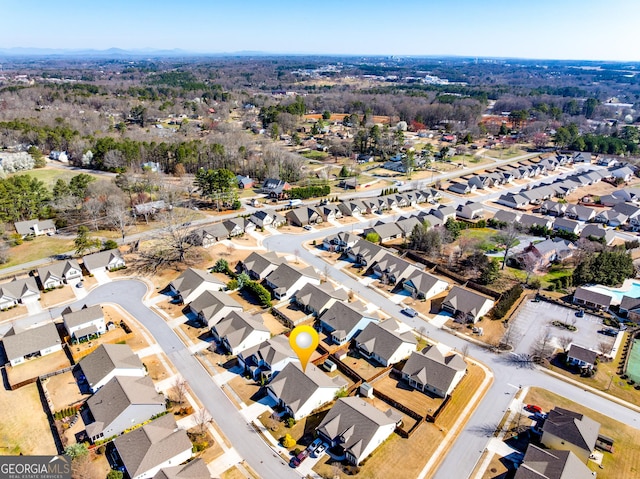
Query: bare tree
[[175, 243], [94, 209], [541, 346], [202, 419], [464, 350], [296, 252], [605, 347], [179, 389], [565, 342], [508, 238], [119, 216]]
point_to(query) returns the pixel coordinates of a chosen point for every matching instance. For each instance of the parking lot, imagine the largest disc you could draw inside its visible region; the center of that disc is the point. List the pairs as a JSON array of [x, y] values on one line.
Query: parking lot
[[532, 320]]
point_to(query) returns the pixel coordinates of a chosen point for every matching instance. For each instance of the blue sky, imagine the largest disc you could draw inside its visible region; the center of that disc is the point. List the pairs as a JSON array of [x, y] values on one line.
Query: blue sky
[[565, 29]]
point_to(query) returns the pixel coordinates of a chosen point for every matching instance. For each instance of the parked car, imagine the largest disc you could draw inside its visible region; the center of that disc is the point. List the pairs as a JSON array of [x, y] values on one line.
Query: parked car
[[609, 332], [412, 313], [296, 461], [307, 227], [533, 408], [79, 284], [315, 444], [319, 451], [580, 313]]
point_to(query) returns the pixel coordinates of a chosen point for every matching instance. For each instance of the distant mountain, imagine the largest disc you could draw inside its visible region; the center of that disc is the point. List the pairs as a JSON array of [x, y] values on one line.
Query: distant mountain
[[111, 52]]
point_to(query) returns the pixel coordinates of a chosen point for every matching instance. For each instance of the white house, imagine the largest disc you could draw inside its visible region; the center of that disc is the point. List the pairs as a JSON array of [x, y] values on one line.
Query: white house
[[285, 280], [21, 345], [433, 372], [385, 342], [212, 306], [22, 291], [424, 285], [85, 322], [267, 358], [59, 273], [239, 331], [103, 261], [108, 361], [192, 283]]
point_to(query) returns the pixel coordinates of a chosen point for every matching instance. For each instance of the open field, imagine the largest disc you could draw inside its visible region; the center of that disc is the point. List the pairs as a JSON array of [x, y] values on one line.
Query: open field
[[49, 175], [21, 432], [41, 247], [624, 462]]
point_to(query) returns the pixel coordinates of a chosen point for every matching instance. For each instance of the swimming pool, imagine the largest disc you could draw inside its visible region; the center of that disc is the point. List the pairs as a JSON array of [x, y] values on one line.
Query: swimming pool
[[632, 290]]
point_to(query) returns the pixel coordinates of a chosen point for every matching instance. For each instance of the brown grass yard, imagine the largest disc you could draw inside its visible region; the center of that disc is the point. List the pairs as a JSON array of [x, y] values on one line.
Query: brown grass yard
[[57, 296], [155, 368], [461, 396], [64, 391], [274, 325], [246, 389], [22, 432], [624, 463], [492, 331], [37, 367], [401, 392], [17, 312]]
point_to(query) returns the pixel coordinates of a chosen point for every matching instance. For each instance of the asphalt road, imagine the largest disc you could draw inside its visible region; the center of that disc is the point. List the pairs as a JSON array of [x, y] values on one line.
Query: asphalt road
[[128, 294]]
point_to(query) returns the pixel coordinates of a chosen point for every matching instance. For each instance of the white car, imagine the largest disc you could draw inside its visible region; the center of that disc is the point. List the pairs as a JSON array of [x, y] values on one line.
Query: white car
[[307, 227]]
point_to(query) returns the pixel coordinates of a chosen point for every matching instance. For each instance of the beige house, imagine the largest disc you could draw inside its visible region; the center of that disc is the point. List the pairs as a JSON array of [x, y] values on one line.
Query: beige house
[[566, 430]]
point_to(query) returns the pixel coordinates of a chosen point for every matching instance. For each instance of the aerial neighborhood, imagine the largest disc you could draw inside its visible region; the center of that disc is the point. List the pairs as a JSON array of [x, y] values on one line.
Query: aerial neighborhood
[[474, 289]]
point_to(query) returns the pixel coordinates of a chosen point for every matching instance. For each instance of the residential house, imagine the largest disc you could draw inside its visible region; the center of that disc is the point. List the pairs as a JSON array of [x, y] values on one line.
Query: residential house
[[275, 188], [423, 285], [259, 265], [285, 280], [407, 225], [553, 208], [530, 221], [211, 306], [365, 253], [625, 173], [580, 213], [566, 430], [506, 217], [103, 261], [35, 227], [355, 428], [21, 345], [196, 469], [392, 269], [598, 233], [244, 182], [591, 299], [608, 162], [385, 231], [264, 218], [24, 291], [108, 361], [85, 322], [121, 403], [340, 241], [580, 157], [385, 342], [267, 358], [631, 211], [430, 371], [611, 217], [239, 331], [512, 200], [329, 212], [192, 283], [547, 464], [159, 444], [304, 215], [150, 208], [630, 308], [429, 219], [300, 393], [461, 188], [209, 235], [444, 212], [342, 321], [568, 226], [541, 255], [353, 207], [59, 273], [481, 182], [315, 299], [581, 357], [470, 211], [613, 199], [466, 304]]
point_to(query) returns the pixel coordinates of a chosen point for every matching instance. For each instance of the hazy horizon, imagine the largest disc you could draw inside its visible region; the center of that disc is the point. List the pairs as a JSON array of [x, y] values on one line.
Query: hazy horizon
[[567, 30]]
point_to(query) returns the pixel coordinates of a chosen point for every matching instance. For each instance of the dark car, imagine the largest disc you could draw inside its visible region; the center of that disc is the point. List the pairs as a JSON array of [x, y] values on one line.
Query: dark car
[[296, 461], [580, 313], [609, 332]]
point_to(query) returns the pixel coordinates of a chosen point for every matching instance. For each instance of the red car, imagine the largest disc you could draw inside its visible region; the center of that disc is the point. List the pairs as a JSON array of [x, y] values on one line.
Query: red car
[[296, 461], [533, 408]]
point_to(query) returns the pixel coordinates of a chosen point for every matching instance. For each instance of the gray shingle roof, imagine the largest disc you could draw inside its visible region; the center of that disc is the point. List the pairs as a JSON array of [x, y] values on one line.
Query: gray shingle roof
[[375, 338], [355, 422], [58, 270], [188, 281], [26, 227], [341, 317], [83, 315], [20, 343], [589, 296], [17, 288], [431, 367], [196, 469], [238, 325], [582, 354], [317, 297], [628, 303], [116, 396], [271, 351], [572, 427], [285, 276], [546, 464], [210, 303], [295, 387], [106, 358], [505, 216], [465, 300], [422, 281], [152, 444], [259, 262], [101, 259]]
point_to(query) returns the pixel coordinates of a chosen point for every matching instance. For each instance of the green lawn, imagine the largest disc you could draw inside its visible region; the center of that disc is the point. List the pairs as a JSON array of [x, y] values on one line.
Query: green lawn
[[49, 176], [315, 155], [41, 247]]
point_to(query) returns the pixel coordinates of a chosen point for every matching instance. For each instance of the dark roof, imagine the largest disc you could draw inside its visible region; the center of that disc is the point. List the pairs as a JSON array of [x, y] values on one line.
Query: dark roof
[[83, 315], [101, 259], [629, 304], [594, 297], [341, 318], [465, 300], [196, 469], [383, 340], [572, 427], [58, 270], [259, 262], [431, 367], [582, 354]]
